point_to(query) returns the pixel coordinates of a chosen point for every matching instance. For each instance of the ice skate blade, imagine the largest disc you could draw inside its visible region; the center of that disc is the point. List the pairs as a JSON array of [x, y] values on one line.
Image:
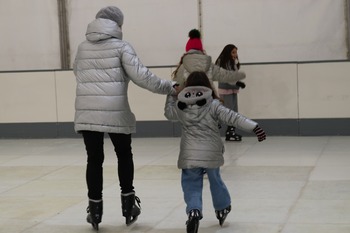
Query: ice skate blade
[[130, 221], [233, 139], [221, 221], [94, 225], [192, 226]]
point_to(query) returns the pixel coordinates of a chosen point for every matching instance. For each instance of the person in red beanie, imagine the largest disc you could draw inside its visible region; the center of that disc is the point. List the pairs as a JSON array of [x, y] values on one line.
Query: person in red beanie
[[195, 59], [195, 41]]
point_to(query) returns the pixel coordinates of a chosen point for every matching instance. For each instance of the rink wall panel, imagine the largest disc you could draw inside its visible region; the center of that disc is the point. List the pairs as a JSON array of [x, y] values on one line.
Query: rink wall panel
[[285, 98], [264, 31]]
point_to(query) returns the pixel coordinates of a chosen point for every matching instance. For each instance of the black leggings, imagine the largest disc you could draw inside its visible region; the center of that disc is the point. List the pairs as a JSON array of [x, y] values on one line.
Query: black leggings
[[95, 157]]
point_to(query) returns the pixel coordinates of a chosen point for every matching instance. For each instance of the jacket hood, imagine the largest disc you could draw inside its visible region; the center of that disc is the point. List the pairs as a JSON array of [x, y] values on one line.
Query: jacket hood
[[196, 62], [192, 95], [101, 29], [194, 102]]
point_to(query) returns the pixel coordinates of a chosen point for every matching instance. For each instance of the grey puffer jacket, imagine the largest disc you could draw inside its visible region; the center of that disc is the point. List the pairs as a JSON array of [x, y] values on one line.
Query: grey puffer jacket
[[201, 143], [103, 67], [195, 60]]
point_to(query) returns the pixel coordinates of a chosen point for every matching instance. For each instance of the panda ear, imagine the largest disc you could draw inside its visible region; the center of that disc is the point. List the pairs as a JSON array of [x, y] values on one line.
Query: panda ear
[[201, 102], [181, 105]]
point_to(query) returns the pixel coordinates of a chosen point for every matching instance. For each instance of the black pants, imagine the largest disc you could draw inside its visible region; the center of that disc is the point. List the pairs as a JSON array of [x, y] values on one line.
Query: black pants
[[95, 157]]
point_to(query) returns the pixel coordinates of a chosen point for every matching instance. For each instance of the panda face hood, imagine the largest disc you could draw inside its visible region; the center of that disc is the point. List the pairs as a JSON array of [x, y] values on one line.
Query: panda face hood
[[194, 102]]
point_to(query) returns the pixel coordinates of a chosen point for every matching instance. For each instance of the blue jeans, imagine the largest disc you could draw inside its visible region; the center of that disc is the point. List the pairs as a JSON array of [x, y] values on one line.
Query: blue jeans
[[192, 186]]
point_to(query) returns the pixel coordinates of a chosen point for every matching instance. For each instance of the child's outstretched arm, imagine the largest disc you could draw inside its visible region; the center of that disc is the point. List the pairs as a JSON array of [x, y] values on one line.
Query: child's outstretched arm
[[235, 119]]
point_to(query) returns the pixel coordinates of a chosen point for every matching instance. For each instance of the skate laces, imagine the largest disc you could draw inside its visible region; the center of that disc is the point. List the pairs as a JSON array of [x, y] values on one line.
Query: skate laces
[[96, 215], [195, 214], [223, 213], [138, 201]]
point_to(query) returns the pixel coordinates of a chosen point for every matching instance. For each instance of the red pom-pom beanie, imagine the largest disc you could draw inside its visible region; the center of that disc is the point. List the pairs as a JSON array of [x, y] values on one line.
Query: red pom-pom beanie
[[195, 41]]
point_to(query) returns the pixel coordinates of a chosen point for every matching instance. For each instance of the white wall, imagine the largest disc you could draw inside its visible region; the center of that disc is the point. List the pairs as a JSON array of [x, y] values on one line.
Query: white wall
[[29, 35], [271, 92], [274, 91], [264, 31], [157, 29], [323, 90], [271, 31], [28, 97]]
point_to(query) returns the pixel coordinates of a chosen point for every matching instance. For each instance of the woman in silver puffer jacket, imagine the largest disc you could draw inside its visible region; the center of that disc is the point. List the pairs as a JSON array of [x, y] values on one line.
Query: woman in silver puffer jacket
[[104, 66], [199, 111]]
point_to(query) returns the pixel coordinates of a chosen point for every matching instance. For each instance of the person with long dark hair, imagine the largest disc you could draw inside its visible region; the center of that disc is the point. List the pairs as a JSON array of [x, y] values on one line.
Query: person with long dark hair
[[228, 59]]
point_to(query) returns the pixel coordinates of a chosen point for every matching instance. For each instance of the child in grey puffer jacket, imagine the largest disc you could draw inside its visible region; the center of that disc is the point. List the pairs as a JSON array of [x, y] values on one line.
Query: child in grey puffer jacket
[[199, 111]]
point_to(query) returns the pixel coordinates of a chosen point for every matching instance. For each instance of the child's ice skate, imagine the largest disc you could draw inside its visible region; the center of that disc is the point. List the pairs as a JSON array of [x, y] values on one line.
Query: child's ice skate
[[95, 211], [232, 136], [193, 221], [222, 214]]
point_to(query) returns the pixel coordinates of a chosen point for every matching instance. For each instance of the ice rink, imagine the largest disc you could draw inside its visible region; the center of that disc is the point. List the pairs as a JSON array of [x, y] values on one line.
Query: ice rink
[[281, 185]]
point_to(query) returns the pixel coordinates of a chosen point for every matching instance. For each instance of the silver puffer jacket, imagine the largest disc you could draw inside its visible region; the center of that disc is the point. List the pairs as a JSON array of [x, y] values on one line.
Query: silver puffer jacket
[[103, 67], [195, 60], [201, 143]]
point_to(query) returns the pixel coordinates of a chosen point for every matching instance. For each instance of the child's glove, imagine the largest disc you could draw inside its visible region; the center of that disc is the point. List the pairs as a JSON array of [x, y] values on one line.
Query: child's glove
[[260, 133], [240, 84]]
